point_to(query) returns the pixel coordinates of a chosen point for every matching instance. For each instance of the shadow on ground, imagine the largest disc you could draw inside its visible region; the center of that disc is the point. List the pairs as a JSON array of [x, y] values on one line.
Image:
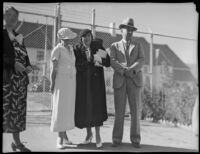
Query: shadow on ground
[[124, 147]]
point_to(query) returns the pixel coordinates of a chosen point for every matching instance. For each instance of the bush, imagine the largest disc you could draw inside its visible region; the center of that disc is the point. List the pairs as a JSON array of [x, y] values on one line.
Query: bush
[[146, 100], [153, 105], [173, 104], [158, 106]]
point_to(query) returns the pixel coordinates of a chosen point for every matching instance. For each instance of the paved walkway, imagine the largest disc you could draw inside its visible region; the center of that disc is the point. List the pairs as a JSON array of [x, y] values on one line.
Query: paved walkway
[[155, 137]]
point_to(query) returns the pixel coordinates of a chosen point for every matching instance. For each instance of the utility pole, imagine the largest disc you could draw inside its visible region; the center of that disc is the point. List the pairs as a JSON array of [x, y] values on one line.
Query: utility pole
[[93, 23]]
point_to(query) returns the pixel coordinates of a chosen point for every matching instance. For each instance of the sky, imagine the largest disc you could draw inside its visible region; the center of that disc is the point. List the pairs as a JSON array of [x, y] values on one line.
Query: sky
[[173, 19]]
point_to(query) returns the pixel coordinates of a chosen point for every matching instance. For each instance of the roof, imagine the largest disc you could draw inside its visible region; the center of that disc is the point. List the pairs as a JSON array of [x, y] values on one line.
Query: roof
[[168, 55], [183, 75]]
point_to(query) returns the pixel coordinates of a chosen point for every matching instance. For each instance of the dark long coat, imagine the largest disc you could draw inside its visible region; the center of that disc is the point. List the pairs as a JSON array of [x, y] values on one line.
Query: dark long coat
[[90, 108], [9, 57]]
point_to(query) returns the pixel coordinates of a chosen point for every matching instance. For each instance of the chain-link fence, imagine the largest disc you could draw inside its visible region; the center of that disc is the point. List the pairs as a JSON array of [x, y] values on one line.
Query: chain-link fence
[[38, 38]]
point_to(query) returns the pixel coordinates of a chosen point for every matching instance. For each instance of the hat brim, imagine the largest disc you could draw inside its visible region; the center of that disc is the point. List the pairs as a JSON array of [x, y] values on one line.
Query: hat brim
[[125, 26], [71, 36], [85, 32]]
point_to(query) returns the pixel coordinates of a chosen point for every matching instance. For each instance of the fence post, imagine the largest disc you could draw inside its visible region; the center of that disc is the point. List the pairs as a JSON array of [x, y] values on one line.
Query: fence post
[[93, 23], [151, 62], [57, 21], [45, 57]]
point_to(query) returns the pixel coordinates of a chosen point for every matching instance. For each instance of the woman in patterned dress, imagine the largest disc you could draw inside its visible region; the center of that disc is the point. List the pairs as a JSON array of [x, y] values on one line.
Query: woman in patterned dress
[[16, 66]]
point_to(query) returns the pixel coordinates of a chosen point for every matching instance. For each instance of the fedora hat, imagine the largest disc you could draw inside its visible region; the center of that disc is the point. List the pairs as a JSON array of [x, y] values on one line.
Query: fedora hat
[[128, 22], [66, 33]]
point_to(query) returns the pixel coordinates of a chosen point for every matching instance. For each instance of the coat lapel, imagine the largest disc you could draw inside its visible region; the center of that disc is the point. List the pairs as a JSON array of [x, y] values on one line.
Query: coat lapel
[[121, 47], [7, 38], [131, 48]]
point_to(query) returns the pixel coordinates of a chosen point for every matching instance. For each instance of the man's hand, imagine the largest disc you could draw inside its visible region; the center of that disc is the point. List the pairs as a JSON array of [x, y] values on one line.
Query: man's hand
[[129, 73], [19, 67], [126, 73]]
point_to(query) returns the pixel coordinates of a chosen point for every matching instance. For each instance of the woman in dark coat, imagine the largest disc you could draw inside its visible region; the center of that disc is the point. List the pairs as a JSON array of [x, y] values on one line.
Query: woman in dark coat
[[90, 107], [16, 66]]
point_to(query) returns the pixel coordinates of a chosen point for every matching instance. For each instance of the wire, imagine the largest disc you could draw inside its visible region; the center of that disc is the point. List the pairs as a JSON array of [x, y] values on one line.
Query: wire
[[77, 18], [68, 13], [75, 11], [109, 18], [33, 31], [31, 8], [97, 16], [183, 38]]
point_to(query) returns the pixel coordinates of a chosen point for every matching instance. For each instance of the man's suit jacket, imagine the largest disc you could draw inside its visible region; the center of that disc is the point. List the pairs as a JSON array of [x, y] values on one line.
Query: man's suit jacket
[[118, 63]]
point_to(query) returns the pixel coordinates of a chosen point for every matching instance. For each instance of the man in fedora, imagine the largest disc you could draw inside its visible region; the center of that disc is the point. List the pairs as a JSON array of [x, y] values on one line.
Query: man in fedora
[[127, 59]]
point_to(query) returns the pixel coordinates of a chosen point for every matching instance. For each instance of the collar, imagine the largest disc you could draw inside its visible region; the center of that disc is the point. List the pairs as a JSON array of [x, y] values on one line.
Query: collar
[[124, 41], [131, 46]]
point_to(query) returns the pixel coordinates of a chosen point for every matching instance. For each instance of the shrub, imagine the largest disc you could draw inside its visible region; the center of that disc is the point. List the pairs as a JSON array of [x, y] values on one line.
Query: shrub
[[158, 106], [172, 103], [146, 100], [153, 104]]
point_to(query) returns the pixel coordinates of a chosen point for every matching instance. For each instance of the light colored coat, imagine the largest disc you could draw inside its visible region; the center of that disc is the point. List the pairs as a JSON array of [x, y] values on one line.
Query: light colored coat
[[118, 63]]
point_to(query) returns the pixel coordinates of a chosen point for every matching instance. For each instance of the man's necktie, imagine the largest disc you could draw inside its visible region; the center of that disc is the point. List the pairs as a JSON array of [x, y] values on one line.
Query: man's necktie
[[127, 53]]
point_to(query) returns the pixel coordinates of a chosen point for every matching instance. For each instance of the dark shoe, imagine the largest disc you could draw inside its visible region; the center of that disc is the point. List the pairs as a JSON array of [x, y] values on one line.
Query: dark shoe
[[115, 144], [20, 147], [67, 141], [87, 141], [136, 145]]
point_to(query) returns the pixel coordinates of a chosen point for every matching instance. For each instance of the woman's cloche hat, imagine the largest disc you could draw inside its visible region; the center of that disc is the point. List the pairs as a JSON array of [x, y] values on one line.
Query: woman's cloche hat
[[66, 33], [128, 22], [84, 32]]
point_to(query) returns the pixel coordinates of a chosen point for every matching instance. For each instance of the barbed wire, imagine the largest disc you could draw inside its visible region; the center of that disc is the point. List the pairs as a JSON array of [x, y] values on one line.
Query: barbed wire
[[74, 12]]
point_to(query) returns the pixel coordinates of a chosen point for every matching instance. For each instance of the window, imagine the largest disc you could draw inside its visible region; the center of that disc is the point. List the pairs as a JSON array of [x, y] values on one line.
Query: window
[[40, 55]]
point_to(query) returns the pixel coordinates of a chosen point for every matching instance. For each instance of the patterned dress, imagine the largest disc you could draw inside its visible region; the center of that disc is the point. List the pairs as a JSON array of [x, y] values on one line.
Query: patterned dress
[[15, 95]]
